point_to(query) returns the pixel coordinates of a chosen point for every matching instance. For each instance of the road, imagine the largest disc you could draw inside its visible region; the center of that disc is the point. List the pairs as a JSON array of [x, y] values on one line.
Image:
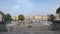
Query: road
[[42, 26], [32, 32], [35, 29]]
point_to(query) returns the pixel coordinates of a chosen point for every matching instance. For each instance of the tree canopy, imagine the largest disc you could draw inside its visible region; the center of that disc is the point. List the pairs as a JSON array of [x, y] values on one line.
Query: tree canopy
[[7, 17], [58, 11], [51, 17], [1, 13], [21, 17]]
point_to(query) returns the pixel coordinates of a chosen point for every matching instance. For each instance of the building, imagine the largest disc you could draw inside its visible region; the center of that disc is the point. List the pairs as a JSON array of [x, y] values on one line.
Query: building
[[57, 17], [40, 18], [0, 17], [28, 19], [45, 18], [14, 17]]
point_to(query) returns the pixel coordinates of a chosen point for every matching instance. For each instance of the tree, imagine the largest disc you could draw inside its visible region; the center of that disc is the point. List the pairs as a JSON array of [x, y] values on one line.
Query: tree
[[21, 17], [51, 17], [2, 14], [7, 17], [58, 11]]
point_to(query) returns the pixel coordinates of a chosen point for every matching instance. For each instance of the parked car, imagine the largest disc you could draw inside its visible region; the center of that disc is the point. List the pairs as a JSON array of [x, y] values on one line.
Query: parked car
[[29, 25]]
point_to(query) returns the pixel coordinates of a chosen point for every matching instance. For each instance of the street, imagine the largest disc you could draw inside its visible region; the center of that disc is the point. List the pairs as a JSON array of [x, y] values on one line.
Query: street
[[44, 26], [35, 29], [32, 32]]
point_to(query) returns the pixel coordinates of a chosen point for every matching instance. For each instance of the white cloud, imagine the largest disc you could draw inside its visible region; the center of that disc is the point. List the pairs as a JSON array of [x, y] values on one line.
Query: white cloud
[[22, 1], [15, 7], [28, 3]]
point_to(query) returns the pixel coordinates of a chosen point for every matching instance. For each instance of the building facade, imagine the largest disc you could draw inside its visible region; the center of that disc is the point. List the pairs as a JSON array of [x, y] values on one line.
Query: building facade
[[57, 17], [14, 18], [0, 17], [40, 18]]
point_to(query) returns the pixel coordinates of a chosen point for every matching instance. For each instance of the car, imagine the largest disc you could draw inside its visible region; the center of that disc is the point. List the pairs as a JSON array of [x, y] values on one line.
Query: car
[[29, 25]]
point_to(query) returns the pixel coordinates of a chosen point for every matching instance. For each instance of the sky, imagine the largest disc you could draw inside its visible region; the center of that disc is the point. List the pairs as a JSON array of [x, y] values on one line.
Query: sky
[[29, 7]]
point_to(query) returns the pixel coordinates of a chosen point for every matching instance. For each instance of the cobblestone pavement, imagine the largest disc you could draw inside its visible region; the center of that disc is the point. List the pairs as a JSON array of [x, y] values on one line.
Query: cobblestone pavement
[[35, 29], [32, 32], [21, 29]]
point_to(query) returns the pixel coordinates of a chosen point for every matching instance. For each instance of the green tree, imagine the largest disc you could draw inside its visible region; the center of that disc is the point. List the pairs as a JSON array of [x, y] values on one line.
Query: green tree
[[7, 17], [51, 17], [21, 17], [58, 11], [2, 14]]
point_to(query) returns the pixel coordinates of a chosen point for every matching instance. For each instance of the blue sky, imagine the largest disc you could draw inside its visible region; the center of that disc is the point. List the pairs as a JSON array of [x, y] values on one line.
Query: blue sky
[[29, 7]]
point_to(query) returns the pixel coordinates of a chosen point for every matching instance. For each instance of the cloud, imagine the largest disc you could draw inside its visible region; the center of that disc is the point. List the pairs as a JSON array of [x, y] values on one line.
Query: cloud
[[22, 1], [15, 7], [27, 3]]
